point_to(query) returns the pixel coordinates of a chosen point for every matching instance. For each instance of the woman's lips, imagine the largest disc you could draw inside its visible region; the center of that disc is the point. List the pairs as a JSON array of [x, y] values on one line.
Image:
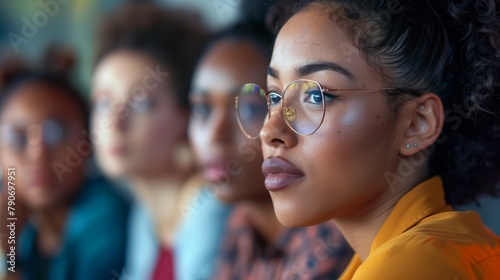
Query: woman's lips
[[279, 173], [215, 171], [118, 150], [41, 179]]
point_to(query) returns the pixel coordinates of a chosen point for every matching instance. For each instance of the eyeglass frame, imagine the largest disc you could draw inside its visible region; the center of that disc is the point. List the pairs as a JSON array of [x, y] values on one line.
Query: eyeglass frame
[[267, 94], [6, 128]]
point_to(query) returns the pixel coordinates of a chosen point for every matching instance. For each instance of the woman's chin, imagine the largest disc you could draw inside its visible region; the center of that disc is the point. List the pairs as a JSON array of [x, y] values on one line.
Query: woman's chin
[[293, 217], [115, 171], [290, 219]]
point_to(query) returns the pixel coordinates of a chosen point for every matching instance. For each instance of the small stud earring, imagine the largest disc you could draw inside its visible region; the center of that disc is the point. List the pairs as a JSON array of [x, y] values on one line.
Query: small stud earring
[[408, 146], [415, 144]]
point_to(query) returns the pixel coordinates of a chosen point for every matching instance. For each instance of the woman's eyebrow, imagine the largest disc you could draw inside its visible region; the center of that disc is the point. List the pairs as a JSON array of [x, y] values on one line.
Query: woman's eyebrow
[[198, 91], [273, 73], [315, 67], [320, 66]]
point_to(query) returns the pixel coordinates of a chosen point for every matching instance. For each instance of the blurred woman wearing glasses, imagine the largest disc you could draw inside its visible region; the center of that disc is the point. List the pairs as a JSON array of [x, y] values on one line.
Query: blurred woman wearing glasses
[[256, 245], [69, 225], [382, 116]]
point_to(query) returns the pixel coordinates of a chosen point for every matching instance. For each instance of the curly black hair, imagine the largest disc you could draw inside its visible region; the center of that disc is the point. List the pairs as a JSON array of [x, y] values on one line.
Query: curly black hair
[[171, 37], [452, 48]]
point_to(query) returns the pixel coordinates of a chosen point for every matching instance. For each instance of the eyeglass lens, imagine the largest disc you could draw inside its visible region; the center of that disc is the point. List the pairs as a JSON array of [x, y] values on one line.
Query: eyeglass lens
[[251, 106], [50, 132], [301, 105]]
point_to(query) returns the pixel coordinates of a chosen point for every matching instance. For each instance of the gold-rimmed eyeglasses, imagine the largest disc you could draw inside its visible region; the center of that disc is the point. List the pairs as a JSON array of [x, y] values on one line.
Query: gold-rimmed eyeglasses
[[302, 106]]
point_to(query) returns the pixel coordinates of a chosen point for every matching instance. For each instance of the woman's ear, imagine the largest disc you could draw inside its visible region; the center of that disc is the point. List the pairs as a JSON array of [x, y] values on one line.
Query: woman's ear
[[423, 125]]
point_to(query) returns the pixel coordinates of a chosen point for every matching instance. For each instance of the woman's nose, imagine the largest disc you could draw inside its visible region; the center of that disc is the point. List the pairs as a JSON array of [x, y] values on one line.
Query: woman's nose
[[275, 132]]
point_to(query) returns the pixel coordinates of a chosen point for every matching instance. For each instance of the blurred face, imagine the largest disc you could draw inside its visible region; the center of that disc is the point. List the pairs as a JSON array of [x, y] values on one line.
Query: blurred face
[[136, 122], [42, 138], [338, 171], [227, 157]]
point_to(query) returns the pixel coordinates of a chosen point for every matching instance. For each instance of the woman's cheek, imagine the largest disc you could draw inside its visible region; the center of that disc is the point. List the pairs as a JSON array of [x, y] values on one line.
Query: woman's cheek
[[344, 124], [344, 141], [362, 120]]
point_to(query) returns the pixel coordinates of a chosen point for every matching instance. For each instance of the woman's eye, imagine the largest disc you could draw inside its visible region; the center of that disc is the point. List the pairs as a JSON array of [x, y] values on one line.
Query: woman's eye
[[313, 97], [142, 106], [53, 132], [329, 96], [102, 106], [252, 112], [274, 98], [19, 141], [316, 97], [200, 110], [16, 139]]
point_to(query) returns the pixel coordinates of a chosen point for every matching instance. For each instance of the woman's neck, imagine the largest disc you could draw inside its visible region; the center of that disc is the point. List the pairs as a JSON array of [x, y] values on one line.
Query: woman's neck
[[262, 216], [162, 197], [361, 230], [51, 225]]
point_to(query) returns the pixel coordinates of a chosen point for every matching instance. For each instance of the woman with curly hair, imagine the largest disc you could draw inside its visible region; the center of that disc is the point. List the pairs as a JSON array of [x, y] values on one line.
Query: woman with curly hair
[[256, 245], [383, 115], [145, 56]]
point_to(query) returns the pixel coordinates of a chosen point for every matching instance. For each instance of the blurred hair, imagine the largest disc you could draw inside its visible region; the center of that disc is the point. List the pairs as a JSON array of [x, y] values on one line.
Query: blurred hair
[[170, 37], [251, 31], [255, 10], [54, 70], [279, 12], [451, 48]]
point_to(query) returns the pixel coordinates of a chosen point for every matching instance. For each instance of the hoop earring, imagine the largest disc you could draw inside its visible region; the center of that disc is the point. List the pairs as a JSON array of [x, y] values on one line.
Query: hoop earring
[[182, 156]]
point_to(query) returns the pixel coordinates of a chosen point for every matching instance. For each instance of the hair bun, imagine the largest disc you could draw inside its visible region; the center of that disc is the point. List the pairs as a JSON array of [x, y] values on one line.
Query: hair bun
[[11, 67], [59, 59]]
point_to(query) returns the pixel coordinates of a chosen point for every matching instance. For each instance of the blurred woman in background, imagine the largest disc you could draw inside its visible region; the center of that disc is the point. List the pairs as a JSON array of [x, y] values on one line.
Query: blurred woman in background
[[70, 226], [145, 57], [256, 245]]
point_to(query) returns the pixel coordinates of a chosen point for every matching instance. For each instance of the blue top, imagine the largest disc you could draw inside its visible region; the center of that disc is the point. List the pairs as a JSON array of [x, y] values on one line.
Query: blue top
[[199, 237], [94, 239], [143, 246]]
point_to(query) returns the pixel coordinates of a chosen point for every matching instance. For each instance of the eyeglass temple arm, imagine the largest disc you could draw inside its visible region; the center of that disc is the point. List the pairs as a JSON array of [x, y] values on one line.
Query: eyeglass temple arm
[[354, 89]]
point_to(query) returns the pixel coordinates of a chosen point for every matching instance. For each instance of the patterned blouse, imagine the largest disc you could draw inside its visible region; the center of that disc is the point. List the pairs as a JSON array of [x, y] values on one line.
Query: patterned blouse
[[316, 252]]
